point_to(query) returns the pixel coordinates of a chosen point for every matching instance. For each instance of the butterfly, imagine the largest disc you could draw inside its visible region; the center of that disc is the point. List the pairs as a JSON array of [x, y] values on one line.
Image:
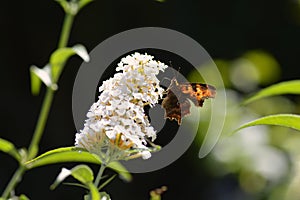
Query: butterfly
[[176, 103]]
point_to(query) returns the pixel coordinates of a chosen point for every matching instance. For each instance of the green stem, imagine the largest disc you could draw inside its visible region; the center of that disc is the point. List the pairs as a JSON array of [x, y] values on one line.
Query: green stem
[[66, 30], [99, 175], [14, 181], [64, 37], [41, 123]]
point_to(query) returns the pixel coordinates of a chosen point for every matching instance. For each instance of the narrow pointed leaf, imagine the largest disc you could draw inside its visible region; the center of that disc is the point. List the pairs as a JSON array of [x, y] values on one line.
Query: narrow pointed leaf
[[122, 171], [81, 172], [9, 148], [73, 154], [77, 185], [35, 81], [62, 155], [287, 87], [23, 197], [58, 60], [106, 182], [44, 76], [81, 51], [285, 120], [83, 3]]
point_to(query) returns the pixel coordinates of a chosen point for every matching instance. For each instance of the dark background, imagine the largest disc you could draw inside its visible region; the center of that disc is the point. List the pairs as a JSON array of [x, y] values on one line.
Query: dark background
[[30, 31]]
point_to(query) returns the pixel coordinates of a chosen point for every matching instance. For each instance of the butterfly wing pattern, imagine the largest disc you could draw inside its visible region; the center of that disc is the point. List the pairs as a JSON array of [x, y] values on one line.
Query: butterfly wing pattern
[[176, 103]]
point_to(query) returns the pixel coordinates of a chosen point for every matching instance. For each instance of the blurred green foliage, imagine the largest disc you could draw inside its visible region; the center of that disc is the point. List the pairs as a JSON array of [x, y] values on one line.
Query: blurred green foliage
[[264, 159]]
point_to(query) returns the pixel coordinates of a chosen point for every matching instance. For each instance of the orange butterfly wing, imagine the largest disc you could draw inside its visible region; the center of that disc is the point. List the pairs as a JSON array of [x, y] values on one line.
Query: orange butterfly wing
[[176, 103]]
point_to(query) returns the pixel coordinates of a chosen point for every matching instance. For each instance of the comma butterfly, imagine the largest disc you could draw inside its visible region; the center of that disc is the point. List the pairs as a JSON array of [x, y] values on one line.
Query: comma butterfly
[[176, 103]]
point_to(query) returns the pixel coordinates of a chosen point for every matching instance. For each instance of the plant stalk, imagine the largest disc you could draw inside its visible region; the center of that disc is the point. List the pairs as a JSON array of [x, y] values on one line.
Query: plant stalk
[[66, 30], [14, 181], [99, 175], [41, 123]]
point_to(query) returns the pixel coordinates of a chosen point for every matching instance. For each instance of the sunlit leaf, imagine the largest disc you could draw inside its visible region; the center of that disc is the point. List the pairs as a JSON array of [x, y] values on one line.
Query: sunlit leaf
[[23, 197], [287, 87], [35, 81], [106, 182], [9, 148], [81, 51], [123, 172], [40, 75], [61, 155], [73, 154], [60, 56], [285, 120], [83, 174], [58, 60], [94, 192], [83, 3]]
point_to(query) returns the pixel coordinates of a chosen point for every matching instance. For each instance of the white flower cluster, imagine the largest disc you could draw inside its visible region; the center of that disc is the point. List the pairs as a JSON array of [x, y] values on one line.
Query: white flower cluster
[[117, 122]]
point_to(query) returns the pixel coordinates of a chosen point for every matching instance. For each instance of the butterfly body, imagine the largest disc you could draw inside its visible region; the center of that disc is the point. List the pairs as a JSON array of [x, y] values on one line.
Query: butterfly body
[[176, 103]]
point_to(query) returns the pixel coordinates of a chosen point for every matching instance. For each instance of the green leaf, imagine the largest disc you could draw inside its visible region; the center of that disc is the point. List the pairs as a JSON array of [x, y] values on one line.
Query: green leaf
[[58, 60], [10, 149], [83, 3], [287, 87], [286, 120], [62, 155], [41, 75], [106, 182], [81, 51], [60, 56], [122, 171], [94, 192], [23, 197], [73, 154], [81, 172], [35, 81]]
